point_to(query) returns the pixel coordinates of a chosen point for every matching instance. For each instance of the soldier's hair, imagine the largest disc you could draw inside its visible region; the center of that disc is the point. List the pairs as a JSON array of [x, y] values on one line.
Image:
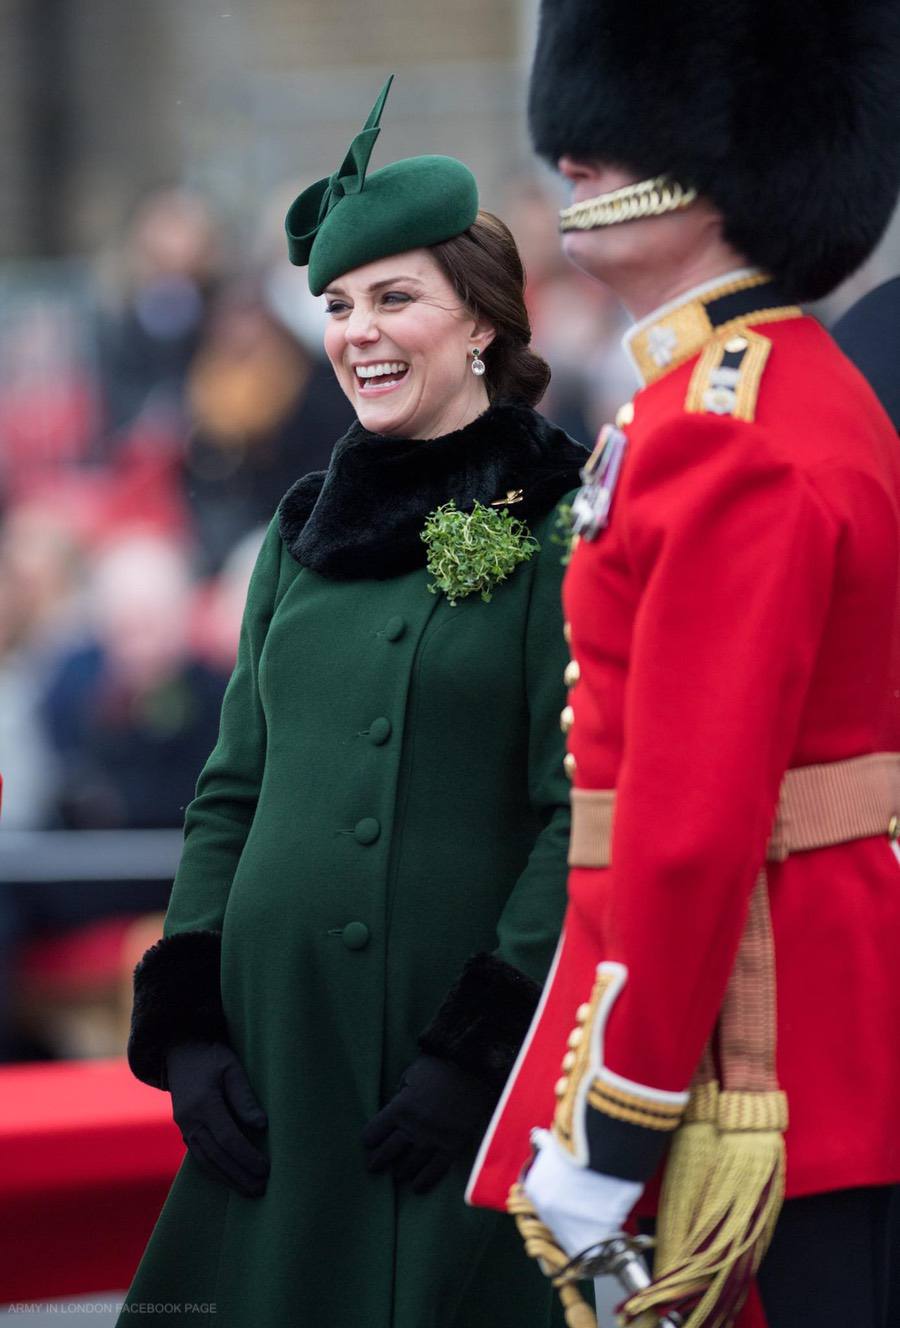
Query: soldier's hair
[[485, 269]]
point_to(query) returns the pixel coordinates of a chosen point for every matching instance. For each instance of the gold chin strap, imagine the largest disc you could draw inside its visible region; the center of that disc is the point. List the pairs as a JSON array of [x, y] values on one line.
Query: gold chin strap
[[646, 198]]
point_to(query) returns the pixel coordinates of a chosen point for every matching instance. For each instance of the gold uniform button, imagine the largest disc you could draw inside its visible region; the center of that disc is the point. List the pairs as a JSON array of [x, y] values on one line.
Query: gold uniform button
[[567, 632], [736, 344], [893, 827], [570, 765], [560, 1086], [582, 1014], [576, 1037], [568, 1061], [566, 718], [572, 673], [625, 415]]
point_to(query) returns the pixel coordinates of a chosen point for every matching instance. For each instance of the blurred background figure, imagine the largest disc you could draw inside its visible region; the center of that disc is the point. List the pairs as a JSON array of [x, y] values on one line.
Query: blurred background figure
[[132, 714], [48, 393], [40, 615], [262, 411], [107, 713], [152, 317], [219, 605], [868, 335]]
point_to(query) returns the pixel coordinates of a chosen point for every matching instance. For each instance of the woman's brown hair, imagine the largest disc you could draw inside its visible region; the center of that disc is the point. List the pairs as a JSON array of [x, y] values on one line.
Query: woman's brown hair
[[485, 270]]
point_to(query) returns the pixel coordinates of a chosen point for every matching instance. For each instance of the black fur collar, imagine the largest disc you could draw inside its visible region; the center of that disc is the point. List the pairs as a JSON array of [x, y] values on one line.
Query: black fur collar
[[363, 517]]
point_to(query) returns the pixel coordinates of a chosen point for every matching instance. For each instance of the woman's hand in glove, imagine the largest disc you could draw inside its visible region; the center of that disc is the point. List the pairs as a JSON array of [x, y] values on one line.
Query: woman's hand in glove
[[436, 1114], [211, 1100]]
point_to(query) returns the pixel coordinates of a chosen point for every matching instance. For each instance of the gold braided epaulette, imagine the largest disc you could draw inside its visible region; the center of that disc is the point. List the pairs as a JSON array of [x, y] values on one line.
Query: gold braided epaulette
[[727, 376]]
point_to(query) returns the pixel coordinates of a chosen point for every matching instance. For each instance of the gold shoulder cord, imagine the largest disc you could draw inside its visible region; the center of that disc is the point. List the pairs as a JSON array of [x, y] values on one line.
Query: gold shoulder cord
[[647, 198], [541, 1244]]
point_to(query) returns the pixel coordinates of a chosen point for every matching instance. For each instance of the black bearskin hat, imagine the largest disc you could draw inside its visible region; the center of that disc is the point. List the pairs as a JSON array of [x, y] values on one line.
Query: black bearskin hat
[[784, 113]]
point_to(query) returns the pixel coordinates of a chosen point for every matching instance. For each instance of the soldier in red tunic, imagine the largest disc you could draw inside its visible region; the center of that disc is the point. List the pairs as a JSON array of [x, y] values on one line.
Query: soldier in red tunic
[[724, 1007]]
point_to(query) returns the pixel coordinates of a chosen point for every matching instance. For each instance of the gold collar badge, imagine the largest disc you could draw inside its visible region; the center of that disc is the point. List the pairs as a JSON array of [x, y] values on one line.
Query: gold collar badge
[[678, 331]]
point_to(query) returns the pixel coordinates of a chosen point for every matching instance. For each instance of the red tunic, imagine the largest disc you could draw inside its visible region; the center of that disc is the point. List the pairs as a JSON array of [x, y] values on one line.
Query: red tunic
[[738, 617]]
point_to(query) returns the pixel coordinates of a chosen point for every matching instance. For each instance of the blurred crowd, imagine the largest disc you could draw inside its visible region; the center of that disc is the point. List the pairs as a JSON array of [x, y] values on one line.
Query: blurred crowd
[[154, 407]]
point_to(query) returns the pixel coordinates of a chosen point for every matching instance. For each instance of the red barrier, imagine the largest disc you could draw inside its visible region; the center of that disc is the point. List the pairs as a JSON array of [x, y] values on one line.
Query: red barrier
[[87, 1155]]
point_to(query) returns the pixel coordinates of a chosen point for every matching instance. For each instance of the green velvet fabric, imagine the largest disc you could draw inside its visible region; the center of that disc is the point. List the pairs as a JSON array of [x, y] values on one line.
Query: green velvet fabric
[[386, 799]]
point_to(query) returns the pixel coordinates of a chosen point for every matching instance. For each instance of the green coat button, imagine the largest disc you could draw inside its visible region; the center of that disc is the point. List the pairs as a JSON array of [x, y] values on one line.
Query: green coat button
[[367, 830], [394, 628], [355, 936], [379, 731]]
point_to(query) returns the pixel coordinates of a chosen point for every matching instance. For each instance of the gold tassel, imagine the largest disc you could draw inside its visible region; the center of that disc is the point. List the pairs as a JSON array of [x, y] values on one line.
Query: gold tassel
[[706, 1279], [541, 1244], [688, 1168]]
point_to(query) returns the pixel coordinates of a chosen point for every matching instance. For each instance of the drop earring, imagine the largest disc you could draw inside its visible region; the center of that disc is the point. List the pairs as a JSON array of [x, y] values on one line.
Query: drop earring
[[478, 365]]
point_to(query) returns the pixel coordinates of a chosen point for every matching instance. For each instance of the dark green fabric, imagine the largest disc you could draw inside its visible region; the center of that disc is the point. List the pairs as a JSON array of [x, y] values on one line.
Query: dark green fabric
[[408, 205], [310, 209], [349, 219], [338, 947]]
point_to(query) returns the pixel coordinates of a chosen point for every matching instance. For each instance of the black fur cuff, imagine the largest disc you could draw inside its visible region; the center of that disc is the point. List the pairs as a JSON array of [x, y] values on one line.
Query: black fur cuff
[[483, 1021], [177, 998]]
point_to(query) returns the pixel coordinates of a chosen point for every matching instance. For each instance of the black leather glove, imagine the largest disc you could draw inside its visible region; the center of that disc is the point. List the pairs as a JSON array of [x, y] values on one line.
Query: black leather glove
[[436, 1114], [211, 1100]]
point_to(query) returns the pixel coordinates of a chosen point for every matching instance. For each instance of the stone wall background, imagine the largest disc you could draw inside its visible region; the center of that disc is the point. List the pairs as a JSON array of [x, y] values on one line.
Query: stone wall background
[[101, 100]]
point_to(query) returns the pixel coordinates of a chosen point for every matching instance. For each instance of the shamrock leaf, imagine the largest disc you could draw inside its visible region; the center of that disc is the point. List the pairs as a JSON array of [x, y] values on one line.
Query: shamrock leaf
[[472, 552]]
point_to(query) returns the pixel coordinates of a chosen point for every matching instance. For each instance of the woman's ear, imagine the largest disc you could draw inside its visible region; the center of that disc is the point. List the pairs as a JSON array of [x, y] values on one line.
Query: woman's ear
[[481, 333]]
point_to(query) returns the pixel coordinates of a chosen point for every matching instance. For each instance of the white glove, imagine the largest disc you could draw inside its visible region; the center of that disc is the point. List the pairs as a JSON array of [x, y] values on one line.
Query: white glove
[[581, 1207]]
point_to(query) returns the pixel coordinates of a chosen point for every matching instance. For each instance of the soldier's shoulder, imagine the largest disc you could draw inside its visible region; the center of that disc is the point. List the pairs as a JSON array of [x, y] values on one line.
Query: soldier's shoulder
[[728, 376]]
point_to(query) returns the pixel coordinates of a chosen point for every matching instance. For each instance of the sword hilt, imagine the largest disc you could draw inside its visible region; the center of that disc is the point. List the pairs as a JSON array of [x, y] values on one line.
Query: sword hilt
[[620, 1256]]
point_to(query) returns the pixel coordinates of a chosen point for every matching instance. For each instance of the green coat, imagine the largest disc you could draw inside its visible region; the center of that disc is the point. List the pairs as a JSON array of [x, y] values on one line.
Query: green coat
[[386, 799]]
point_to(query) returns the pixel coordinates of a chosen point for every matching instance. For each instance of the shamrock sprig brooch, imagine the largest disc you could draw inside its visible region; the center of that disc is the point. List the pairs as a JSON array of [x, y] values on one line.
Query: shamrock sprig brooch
[[472, 552], [563, 534]]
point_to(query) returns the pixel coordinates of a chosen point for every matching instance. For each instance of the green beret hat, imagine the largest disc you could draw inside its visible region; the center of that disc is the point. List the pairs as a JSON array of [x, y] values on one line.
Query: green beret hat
[[349, 219]]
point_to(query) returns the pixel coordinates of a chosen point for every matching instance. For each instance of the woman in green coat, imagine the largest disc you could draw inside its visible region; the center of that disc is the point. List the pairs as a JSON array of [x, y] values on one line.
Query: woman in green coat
[[373, 874]]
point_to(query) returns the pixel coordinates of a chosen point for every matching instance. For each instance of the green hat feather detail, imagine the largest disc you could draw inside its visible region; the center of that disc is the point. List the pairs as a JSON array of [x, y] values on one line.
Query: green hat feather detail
[[349, 219], [309, 210]]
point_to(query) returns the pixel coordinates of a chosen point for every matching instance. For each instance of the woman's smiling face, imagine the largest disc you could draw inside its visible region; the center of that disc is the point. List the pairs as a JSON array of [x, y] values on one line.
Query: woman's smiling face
[[400, 341]]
